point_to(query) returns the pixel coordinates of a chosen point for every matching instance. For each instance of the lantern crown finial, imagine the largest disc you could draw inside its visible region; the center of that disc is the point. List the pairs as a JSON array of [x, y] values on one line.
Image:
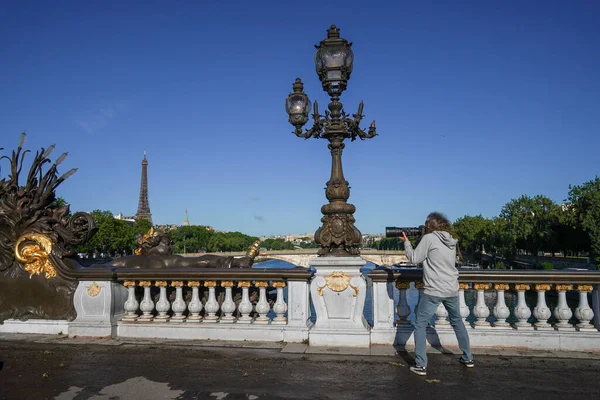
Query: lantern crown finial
[[333, 32], [298, 86]]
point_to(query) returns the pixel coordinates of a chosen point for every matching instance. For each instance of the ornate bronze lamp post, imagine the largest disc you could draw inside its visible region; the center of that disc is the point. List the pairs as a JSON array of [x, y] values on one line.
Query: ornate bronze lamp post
[[333, 61]]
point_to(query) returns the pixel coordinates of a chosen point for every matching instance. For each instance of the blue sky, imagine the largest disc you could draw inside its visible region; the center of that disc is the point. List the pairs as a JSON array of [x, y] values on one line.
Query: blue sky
[[476, 103]]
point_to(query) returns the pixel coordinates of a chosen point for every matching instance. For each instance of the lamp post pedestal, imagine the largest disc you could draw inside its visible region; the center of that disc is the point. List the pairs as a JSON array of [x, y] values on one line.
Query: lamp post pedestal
[[338, 293]]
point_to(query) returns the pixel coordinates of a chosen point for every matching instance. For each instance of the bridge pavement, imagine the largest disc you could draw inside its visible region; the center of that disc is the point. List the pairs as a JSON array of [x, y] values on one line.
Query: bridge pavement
[[58, 367]]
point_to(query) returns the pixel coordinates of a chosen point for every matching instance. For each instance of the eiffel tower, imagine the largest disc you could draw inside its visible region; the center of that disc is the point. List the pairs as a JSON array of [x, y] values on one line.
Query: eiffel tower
[[143, 211]]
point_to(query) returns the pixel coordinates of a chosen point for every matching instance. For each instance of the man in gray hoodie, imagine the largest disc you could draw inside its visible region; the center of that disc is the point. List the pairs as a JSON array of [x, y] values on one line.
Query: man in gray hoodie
[[437, 252]]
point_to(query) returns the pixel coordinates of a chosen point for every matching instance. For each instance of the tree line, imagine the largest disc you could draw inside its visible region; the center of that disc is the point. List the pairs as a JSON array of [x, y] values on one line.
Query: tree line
[[537, 224], [116, 237], [532, 224]]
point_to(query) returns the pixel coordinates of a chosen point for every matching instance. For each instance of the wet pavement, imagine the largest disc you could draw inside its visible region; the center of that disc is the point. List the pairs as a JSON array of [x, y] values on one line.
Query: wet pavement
[[58, 367]]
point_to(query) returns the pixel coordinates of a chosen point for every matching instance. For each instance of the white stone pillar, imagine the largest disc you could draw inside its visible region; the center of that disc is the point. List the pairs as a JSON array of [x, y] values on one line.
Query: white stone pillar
[[338, 292], [501, 311], [131, 305], [178, 305], [383, 330], [522, 311], [298, 323], [464, 309], [195, 305], [99, 306], [262, 306], [162, 305], [228, 306], [403, 309], [583, 312], [441, 315], [481, 310], [541, 311], [147, 305], [279, 308], [563, 312], [245, 307], [212, 305]]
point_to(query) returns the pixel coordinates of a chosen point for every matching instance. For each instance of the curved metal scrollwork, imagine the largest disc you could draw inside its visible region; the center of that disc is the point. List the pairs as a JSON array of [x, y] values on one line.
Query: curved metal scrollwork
[[32, 250]]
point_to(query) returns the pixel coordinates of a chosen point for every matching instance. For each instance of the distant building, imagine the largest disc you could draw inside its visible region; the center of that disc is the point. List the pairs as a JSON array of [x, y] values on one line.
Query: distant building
[[129, 220], [186, 221]]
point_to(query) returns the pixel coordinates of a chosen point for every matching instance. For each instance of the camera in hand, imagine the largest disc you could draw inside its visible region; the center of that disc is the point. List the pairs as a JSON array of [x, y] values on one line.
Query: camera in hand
[[392, 231]]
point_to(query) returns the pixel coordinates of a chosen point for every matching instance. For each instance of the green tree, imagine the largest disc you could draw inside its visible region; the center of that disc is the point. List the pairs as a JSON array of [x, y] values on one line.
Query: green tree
[[473, 232], [531, 221], [113, 236], [585, 206], [141, 226]]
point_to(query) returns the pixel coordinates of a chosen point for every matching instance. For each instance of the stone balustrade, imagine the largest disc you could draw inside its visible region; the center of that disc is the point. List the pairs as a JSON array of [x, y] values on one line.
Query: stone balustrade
[[528, 320], [224, 304], [553, 310]]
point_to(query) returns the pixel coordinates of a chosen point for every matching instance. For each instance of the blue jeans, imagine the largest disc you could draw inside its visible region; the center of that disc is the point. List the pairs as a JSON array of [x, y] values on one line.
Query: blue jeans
[[425, 310]]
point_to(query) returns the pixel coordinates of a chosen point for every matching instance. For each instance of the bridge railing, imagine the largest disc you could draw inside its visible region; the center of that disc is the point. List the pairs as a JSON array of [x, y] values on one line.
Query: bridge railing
[[512, 307], [209, 303]]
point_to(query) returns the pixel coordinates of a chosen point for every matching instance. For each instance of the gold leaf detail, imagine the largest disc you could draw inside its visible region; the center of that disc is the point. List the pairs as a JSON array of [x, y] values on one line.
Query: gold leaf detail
[[244, 284], [261, 284], [584, 288], [563, 287], [145, 283], [521, 286], [542, 286], [337, 281], [34, 256], [94, 290], [210, 283], [129, 283], [501, 286], [403, 285], [481, 286], [177, 283], [227, 284], [279, 284], [463, 286], [160, 283], [419, 285], [193, 284]]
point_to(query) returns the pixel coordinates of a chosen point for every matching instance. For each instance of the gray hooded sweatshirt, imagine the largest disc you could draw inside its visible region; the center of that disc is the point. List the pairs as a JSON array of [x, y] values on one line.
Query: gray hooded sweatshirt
[[437, 252]]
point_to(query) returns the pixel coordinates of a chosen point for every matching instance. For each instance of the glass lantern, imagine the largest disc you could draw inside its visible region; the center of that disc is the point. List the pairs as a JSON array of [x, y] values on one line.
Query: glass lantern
[[297, 105], [333, 62]]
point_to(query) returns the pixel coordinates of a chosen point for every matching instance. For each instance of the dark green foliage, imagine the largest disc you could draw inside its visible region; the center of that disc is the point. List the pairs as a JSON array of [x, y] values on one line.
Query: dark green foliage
[[547, 266]]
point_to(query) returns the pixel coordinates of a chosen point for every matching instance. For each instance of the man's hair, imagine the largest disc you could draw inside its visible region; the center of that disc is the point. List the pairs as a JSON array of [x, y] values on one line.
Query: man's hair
[[438, 222]]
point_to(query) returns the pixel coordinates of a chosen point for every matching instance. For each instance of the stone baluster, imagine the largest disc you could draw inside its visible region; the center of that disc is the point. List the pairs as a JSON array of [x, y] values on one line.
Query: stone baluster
[[131, 305], [147, 305], [522, 311], [481, 310], [583, 312], [402, 309], [541, 311], [195, 305], [245, 307], [464, 309], [563, 312], [279, 308], [178, 305], [162, 305], [228, 306], [441, 315], [262, 307], [212, 305], [501, 311]]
